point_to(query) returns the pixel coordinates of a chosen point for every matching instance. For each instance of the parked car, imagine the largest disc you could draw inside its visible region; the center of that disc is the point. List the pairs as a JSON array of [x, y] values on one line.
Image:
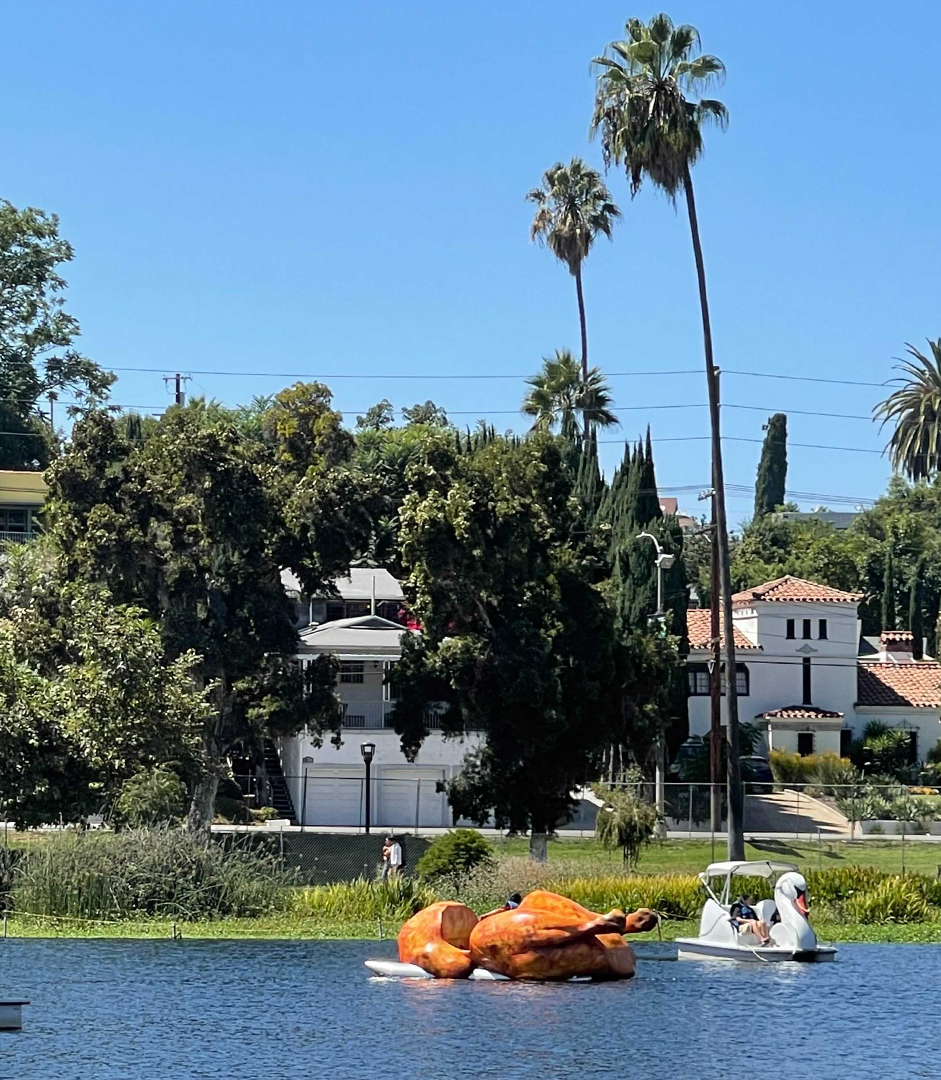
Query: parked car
[[757, 775]]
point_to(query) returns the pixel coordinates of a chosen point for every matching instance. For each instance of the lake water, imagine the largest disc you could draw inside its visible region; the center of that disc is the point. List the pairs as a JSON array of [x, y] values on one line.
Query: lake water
[[116, 1010]]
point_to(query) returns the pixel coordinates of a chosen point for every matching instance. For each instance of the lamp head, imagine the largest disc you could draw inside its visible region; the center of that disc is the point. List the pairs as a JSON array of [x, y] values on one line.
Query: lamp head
[[368, 750], [665, 561]]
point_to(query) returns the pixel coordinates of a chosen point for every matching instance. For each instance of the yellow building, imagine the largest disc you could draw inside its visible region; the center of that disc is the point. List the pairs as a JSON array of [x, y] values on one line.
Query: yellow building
[[22, 495]]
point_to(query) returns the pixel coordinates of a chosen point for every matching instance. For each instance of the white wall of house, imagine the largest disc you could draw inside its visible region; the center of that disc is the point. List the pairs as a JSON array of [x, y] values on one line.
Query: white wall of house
[[403, 793], [776, 677]]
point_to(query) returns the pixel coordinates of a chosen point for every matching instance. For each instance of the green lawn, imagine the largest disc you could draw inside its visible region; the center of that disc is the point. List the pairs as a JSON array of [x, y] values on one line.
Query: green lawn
[[690, 856]]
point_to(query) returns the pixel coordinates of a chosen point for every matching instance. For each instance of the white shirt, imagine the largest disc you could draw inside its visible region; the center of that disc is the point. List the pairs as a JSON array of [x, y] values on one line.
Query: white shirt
[[395, 854]]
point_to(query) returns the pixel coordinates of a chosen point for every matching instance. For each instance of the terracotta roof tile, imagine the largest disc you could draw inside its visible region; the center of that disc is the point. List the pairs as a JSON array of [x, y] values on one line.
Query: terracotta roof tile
[[700, 630], [915, 686], [791, 589], [801, 712]]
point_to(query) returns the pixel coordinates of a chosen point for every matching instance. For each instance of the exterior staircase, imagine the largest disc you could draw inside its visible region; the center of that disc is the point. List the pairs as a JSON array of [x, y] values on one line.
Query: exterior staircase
[[280, 794]]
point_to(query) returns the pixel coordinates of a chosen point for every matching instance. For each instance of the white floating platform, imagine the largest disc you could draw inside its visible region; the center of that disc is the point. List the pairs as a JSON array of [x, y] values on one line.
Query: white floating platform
[[392, 969], [11, 1015]]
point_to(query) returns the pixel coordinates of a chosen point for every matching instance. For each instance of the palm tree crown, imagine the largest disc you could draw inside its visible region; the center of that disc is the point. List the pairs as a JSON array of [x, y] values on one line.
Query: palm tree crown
[[915, 446], [648, 105], [559, 395], [574, 206]]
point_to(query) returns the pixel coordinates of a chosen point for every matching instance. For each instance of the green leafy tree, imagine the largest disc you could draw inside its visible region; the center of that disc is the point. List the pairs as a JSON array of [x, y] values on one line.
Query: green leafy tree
[[517, 643], [429, 414], [195, 526], [574, 207], [625, 821], [37, 354], [915, 409], [455, 855], [650, 113], [559, 395], [90, 696], [378, 417], [772, 468]]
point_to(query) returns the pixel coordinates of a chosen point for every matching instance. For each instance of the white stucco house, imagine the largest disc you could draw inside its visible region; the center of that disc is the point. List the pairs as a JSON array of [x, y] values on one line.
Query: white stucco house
[[326, 783], [808, 677]]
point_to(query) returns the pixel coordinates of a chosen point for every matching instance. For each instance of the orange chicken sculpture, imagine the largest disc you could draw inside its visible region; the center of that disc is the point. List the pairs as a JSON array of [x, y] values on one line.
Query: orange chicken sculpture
[[547, 937]]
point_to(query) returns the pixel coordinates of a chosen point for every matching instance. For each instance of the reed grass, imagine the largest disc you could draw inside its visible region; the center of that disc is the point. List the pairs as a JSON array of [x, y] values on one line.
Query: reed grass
[[146, 873]]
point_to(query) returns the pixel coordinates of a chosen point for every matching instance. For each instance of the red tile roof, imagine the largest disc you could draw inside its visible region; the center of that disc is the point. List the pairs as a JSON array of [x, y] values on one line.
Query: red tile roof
[[913, 686], [698, 625], [897, 635], [801, 712], [790, 589]]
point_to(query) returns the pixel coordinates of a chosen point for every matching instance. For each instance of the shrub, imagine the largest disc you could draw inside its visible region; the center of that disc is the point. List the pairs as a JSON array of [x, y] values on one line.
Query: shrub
[[151, 797], [454, 854], [787, 768], [625, 821], [895, 899], [263, 813], [395, 899], [230, 806], [142, 873]]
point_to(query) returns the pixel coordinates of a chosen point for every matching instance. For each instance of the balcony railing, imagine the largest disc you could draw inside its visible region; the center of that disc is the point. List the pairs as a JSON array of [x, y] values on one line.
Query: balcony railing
[[17, 537], [375, 715]]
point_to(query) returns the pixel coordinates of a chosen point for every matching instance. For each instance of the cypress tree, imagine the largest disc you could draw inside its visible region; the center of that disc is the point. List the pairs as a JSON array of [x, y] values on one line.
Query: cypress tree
[[772, 469], [588, 482], [915, 623], [888, 591]]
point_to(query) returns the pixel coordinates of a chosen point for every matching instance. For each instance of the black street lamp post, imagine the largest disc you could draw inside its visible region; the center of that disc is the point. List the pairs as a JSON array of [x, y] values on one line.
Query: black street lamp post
[[368, 750]]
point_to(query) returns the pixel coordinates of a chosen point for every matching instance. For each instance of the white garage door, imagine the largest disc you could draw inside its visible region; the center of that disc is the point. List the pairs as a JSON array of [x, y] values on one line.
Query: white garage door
[[334, 797], [407, 796]]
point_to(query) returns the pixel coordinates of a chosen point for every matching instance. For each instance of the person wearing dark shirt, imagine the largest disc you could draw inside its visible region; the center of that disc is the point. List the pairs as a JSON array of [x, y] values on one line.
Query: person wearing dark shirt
[[745, 920]]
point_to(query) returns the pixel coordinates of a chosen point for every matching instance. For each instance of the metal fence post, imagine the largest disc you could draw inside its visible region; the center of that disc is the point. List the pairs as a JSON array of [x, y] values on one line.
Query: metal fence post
[[417, 803], [690, 811], [797, 823]]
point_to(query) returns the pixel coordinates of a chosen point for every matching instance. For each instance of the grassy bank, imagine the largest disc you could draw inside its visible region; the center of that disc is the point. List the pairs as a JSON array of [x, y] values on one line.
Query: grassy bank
[[690, 856], [300, 928]]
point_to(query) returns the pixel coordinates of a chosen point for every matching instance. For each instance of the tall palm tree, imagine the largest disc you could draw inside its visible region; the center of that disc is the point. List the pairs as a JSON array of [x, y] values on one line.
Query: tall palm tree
[[650, 113], [559, 395], [574, 207], [915, 446]]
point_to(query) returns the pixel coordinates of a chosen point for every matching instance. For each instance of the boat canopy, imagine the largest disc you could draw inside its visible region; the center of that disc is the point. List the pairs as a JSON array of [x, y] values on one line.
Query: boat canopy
[[764, 868]]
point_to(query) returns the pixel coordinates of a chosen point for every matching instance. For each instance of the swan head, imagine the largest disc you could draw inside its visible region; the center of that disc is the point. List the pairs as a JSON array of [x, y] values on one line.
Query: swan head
[[793, 887]]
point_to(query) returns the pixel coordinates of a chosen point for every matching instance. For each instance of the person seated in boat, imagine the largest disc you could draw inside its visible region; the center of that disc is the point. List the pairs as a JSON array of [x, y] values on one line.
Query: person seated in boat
[[513, 901], [745, 920]]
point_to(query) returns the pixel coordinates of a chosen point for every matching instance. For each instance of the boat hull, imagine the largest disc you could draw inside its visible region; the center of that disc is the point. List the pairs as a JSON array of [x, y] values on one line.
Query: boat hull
[[699, 949]]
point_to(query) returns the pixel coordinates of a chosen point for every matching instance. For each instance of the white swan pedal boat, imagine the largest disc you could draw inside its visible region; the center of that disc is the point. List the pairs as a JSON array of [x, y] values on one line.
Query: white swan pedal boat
[[792, 936]]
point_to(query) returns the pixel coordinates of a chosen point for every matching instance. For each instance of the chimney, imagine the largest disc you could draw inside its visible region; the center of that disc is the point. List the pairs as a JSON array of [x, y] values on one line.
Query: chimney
[[895, 646]]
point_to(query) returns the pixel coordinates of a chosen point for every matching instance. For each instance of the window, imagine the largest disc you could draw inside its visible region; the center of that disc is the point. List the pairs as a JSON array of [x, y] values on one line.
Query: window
[[354, 720], [822, 627], [741, 680], [790, 629], [913, 747], [698, 676], [357, 608], [805, 743], [846, 741], [15, 520], [806, 633], [805, 677], [335, 610], [351, 671]]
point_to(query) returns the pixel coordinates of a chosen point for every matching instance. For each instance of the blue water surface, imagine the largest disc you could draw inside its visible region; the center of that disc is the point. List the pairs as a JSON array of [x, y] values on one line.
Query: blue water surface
[[149, 1010]]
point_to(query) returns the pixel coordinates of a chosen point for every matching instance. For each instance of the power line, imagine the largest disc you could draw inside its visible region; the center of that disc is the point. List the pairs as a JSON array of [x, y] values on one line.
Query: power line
[[481, 375]]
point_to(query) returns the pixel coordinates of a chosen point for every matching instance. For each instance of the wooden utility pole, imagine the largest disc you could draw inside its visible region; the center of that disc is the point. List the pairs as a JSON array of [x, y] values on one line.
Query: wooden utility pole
[[715, 682], [179, 398]]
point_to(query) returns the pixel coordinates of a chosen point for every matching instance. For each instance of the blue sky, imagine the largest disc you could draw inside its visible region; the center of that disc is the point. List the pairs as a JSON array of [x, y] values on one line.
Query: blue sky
[[328, 190]]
